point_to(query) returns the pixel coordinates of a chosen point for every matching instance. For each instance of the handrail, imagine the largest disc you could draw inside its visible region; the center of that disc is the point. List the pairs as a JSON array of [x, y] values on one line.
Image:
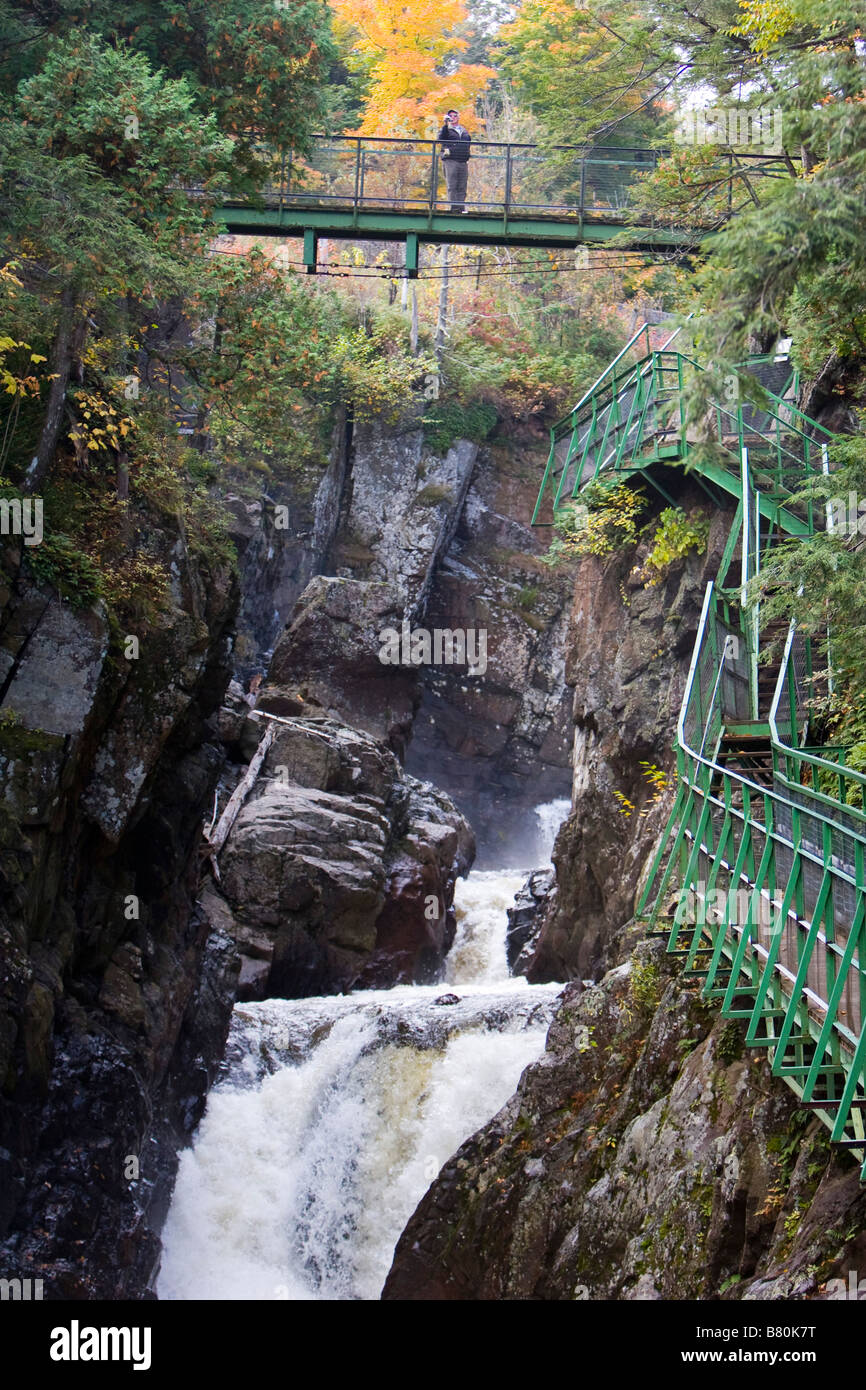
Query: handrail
[[736, 775], [780, 681], [583, 151], [690, 679], [588, 394], [775, 404], [812, 760], [644, 328]]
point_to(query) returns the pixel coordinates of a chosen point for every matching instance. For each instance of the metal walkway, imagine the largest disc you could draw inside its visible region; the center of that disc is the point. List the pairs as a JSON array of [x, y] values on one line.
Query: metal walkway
[[518, 195], [758, 882]]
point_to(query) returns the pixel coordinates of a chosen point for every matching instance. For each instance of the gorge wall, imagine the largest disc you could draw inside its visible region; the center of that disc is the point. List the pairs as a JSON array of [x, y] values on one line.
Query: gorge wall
[[114, 996], [340, 870], [648, 1154], [121, 962], [628, 655]]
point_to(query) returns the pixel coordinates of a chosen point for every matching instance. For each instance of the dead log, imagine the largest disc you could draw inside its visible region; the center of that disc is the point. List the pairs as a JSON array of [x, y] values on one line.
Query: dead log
[[237, 799]]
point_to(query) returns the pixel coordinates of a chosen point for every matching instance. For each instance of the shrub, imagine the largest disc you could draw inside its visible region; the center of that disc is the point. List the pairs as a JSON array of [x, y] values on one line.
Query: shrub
[[604, 519], [446, 421], [60, 562], [433, 494], [645, 983], [675, 537]]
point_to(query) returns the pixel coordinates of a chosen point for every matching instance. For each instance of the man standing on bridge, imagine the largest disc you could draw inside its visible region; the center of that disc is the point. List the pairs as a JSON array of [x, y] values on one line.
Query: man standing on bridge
[[455, 153]]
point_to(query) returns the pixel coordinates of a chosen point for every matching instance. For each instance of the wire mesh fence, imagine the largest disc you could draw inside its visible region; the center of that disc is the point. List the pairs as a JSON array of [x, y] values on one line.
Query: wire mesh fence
[[409, 175]]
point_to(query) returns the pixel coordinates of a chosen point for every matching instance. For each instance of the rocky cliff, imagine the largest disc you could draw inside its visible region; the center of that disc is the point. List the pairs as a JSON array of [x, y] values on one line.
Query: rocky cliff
[[647, 1154], [340, 870], [501, 745], [114, 996], [628, 653]]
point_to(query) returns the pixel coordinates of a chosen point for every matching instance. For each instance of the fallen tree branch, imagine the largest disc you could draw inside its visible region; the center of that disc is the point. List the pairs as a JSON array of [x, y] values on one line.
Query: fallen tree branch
[[237, 799]]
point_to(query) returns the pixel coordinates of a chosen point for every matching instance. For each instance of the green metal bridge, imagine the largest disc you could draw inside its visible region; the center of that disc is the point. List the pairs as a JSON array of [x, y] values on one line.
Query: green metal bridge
[[519, 195], [758, 883]]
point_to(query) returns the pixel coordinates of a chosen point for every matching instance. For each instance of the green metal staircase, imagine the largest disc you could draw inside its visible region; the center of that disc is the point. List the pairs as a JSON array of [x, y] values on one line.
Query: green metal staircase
[[758, 881]]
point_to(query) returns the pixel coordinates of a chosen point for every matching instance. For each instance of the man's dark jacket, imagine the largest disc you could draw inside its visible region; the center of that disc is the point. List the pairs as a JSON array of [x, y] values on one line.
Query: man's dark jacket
[[458, 145]]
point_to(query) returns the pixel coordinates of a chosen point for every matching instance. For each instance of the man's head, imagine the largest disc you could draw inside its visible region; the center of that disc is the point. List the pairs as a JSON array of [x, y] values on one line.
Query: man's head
[[452, 117]]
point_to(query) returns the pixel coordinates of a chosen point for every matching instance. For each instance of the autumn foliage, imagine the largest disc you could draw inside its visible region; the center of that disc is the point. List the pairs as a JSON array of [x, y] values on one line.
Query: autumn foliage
[[410, 57]]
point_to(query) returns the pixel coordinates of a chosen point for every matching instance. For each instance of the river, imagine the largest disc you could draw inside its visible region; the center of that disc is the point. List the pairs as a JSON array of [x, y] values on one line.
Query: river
[[333, 1115]]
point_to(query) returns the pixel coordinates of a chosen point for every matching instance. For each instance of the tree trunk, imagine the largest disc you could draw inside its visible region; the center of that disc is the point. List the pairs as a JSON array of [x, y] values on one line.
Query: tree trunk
[[441, 321], [68, 342], [122, 484], [219, 836], [413, 329]]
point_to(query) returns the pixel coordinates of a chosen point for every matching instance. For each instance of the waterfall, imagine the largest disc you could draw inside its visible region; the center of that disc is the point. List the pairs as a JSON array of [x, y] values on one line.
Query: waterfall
[[334, 1115], [549, 817]]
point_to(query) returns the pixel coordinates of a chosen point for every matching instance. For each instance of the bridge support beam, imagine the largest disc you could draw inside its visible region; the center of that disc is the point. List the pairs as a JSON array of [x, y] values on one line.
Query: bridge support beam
[[412, 255], [311, 249]]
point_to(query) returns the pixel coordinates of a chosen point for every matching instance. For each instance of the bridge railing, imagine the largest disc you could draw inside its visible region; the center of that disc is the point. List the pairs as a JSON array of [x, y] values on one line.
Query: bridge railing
[[409, 176], [505, 179]]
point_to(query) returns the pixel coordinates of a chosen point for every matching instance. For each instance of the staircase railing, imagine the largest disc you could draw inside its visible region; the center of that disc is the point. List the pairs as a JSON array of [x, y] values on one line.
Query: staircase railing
[[758, 881], [634, 416], [824, 779], [768, 900]]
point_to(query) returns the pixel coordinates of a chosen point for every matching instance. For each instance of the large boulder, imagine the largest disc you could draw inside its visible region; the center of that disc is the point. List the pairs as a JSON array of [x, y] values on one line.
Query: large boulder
[[525, 919], [340, 869]]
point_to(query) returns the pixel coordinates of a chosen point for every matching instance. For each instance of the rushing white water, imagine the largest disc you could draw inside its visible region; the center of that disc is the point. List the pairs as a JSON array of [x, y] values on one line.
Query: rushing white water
[[336, 1114], [478, 954], [549, 816]]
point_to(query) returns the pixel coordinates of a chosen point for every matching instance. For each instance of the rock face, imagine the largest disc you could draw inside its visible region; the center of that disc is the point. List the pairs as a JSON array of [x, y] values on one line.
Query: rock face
[[525, 919], [499, 743], [331, 655], [113, 1003], [282, 535], [647, 1155], [401, 509], [629, 650], [340, 870]]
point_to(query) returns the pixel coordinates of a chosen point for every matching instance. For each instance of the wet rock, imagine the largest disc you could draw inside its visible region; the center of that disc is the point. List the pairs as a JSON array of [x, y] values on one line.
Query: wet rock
[[646, 1155], [340, 869], [525, 919]]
